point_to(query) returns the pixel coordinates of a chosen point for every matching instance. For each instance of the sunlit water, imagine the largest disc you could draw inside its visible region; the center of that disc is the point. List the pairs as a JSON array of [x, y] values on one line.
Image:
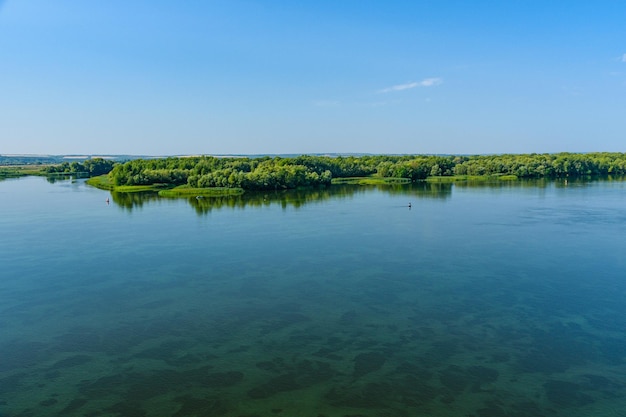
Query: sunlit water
[[486, 301]]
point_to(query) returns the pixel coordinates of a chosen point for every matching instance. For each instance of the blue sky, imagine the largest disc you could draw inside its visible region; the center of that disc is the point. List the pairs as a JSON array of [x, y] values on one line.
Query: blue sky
[[242, 77]]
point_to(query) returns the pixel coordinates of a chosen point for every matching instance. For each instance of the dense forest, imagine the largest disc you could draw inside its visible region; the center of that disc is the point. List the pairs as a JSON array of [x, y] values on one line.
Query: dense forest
[[90, 167], [267, 173]]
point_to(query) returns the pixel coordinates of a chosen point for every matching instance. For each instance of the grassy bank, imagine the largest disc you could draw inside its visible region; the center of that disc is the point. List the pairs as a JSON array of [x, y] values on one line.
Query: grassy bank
[[103, 182], [16, 171]]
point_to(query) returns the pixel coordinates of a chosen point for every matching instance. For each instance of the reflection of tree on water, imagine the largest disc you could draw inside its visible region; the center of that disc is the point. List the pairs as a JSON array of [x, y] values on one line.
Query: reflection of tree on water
[[300, 197], [62, 176], [287, 198], [578, 181], [130, 201], [421, 189], [538, 183], [4, 174], [499, 184]]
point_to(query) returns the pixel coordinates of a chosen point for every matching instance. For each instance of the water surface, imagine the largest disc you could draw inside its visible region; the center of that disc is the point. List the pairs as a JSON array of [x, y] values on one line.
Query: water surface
[[493, 300]]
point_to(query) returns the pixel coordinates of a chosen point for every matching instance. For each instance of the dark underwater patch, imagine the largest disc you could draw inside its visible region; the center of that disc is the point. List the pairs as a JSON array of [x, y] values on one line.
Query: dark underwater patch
[[199, 407], [557, 349], [301, 375], [168, 352], [126, 409], [454, 378], [72, 361], [11, 383], [328, 353], [136, 387], [365, 363], [566, 394], [74, 406], [49, 402], [492, 411], [21, 355]]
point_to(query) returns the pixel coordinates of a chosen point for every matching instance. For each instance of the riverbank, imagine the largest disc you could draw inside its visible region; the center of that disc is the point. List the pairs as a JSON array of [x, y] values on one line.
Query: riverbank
[[16, 171], [103, 182]]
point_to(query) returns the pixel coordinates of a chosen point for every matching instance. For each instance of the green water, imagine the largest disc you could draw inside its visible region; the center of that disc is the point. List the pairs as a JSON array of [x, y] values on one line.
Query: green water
[[485, 301]]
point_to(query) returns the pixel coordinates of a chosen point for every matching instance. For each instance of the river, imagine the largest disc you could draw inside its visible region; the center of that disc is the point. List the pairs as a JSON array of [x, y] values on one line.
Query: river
[[484, 300]]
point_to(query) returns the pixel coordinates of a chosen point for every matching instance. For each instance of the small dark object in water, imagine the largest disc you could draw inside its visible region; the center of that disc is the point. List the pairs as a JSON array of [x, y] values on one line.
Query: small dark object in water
[[409, 206]]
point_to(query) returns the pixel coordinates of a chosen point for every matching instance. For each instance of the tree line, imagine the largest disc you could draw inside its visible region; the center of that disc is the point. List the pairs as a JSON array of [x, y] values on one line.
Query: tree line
[[91, 167], [8, 160], [268, 173]]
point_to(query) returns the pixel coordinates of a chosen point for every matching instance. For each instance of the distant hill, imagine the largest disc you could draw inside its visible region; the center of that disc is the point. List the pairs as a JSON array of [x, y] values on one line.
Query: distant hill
[[30, 159]]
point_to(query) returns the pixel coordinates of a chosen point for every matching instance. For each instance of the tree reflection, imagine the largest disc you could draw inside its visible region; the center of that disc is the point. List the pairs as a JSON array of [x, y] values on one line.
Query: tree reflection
[[61, 176], [129, 201], [287, 198], [300, 197]]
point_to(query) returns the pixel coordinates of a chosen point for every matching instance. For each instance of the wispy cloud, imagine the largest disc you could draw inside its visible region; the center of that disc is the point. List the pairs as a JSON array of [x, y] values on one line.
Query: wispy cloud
[[624, 58], [426, 82]]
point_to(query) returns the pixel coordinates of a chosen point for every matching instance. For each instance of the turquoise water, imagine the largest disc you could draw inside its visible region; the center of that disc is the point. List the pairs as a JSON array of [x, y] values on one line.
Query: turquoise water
[[480, 300]]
